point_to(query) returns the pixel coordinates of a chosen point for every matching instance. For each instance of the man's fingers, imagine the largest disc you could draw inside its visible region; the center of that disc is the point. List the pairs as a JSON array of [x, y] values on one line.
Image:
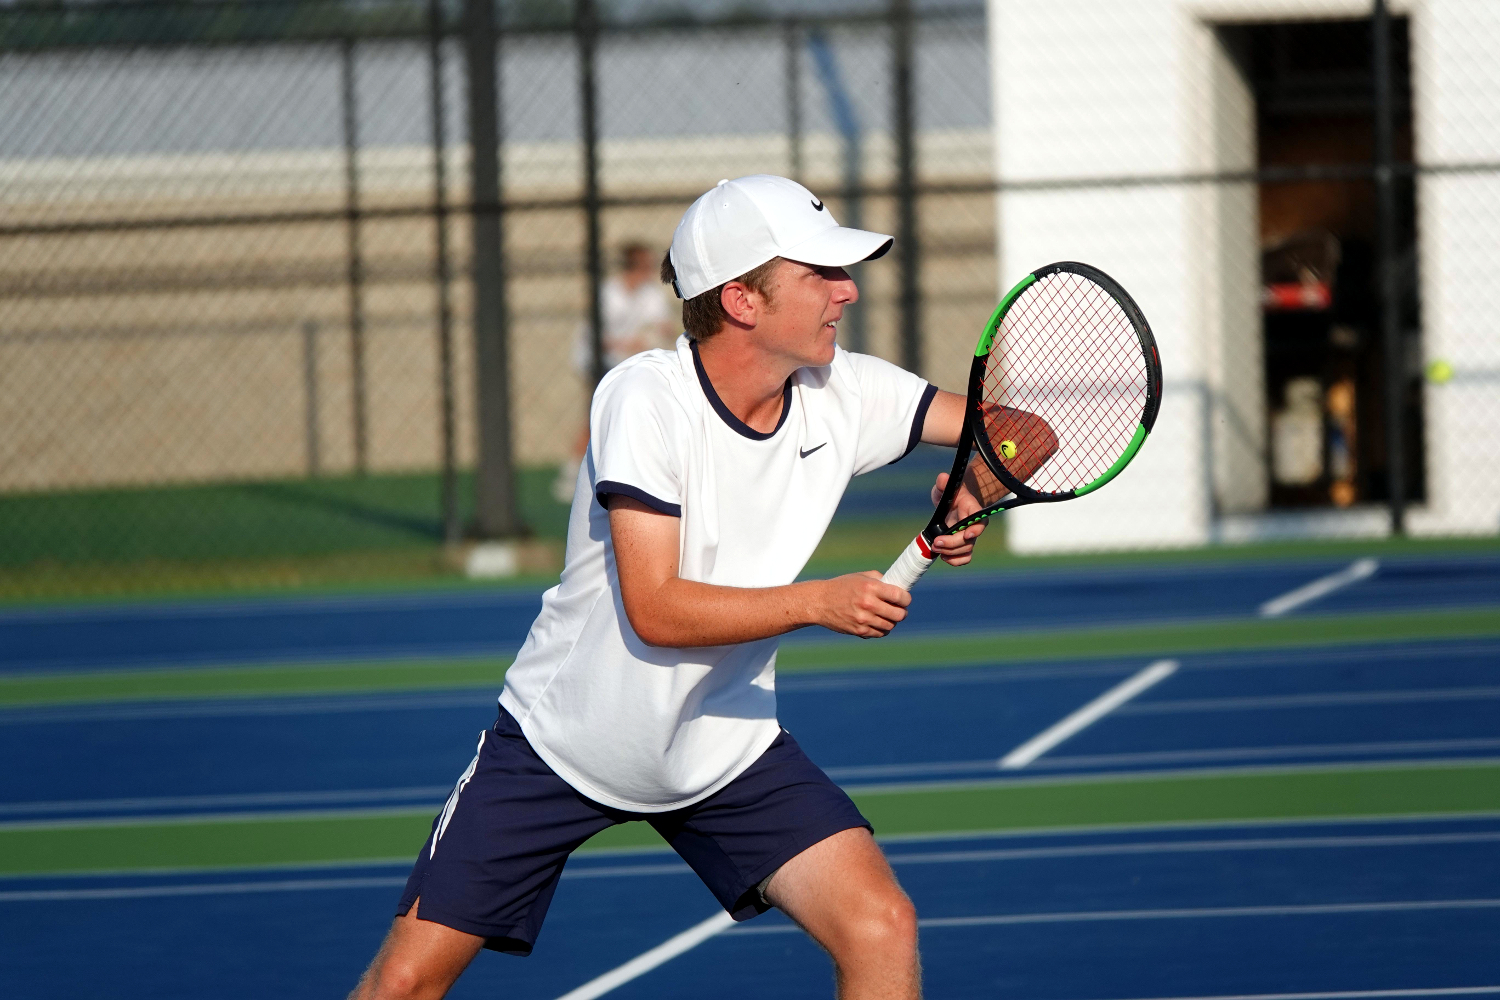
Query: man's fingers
[[875, 613], [937, 489], [959, 538], [870, 607]]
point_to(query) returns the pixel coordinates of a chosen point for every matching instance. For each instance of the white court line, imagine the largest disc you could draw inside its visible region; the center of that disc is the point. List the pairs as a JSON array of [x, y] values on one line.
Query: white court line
[[844, 775], [434, 793], [1356, 571], [1321, 700], [1273, 752], [1191, 847], [1449, 991], [1095, 916], [644, 963], [678, 868], [1088, 714], [210, 889]]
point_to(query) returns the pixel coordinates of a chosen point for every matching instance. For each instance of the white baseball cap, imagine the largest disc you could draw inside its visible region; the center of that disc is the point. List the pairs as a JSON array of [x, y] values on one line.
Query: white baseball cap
[[741, 224]]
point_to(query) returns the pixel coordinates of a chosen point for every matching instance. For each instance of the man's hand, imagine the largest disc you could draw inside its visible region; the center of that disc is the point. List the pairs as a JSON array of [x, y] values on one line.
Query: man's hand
[[862, 604], [957, 549]]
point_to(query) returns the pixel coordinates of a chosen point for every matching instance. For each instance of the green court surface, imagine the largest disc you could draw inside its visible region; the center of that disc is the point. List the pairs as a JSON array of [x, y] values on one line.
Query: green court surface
[[1276, 794], [53, 687]]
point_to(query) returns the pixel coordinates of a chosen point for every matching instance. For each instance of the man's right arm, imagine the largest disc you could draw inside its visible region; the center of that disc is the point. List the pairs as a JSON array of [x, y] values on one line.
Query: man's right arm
[[666, 610]]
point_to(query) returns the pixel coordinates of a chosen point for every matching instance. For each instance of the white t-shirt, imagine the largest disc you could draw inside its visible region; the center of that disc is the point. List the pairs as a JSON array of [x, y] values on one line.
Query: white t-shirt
[[626, 314], [650, 729]]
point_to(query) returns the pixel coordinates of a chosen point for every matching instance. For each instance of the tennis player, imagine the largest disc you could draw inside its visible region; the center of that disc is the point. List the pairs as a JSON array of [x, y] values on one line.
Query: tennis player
[[646, 688]]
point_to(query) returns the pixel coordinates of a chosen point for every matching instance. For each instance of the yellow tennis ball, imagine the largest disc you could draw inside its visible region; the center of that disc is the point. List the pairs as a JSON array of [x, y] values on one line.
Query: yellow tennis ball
[[1439, 371], [1008, 449]]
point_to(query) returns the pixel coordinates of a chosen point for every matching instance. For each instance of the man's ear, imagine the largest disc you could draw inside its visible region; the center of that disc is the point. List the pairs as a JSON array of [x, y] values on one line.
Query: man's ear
[[742, 304]]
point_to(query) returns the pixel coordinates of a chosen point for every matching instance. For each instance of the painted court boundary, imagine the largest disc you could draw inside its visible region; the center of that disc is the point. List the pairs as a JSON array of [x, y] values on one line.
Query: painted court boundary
[[1450, 991], [1381, 782], [1360, 569], [1086, 716], [1200, 913], [317, 878], [896, 840], [65, 813], [22, 689]]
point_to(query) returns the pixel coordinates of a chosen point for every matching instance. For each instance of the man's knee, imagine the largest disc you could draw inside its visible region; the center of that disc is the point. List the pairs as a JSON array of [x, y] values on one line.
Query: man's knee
[[883, 925], [419, 960], [400, 979], [397, 978]]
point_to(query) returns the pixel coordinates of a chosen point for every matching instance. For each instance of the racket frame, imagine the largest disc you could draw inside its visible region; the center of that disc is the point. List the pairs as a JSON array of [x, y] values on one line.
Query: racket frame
[[973, 436]]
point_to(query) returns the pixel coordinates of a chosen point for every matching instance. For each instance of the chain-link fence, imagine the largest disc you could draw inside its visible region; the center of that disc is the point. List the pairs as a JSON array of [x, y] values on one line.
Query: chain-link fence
[[239, 247], [259, 301]]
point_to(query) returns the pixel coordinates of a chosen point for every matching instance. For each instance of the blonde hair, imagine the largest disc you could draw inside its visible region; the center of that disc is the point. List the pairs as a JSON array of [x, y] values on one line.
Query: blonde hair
[[703, 315]]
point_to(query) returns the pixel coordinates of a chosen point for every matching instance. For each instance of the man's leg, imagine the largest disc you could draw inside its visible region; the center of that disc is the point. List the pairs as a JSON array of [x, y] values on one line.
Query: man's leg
[[843, 893], [419, 959]]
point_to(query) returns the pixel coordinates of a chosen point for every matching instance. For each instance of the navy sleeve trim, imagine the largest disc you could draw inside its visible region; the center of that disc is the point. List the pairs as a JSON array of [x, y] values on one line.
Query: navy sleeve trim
[[606, 487], [928, 395]]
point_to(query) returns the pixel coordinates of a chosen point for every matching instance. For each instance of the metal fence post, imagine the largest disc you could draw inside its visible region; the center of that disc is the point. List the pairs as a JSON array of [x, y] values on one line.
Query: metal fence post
[[311, 436], [586, 26], [357, 378], [451, 527], [908, 248], [1390, 293], [794, 97], [497, 515], [846, 118]]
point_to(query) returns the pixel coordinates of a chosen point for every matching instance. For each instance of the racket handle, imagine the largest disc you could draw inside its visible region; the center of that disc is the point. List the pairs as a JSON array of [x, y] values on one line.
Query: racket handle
[[910, 564]]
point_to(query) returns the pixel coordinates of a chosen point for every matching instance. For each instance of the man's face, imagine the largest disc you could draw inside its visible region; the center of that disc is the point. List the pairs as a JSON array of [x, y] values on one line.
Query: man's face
[[806, 303]]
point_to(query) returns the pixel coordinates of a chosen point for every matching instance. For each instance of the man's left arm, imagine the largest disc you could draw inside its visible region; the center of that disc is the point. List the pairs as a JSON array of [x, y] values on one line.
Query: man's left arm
[[943, 425]]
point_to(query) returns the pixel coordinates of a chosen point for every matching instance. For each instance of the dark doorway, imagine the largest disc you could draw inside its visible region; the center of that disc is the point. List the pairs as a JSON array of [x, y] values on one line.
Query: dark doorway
[[1314, 90]]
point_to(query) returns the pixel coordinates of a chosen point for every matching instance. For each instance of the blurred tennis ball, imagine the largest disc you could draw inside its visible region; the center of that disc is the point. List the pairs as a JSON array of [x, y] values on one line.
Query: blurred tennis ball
[[1008, 449], [1439, 371]]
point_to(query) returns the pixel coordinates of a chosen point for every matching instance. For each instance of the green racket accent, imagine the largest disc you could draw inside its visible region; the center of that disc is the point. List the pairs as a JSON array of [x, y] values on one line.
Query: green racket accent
[[1120, 463], [988, 337]]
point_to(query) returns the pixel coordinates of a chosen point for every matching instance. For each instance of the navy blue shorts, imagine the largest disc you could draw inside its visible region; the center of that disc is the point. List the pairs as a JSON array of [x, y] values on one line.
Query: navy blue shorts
[[507, 830]]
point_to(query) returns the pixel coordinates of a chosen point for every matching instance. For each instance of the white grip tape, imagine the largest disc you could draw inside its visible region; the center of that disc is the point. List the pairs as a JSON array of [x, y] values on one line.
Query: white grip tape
[[909, 565]]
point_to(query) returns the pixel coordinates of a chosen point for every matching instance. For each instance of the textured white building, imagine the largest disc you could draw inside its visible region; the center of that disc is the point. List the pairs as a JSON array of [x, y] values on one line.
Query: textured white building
[[1142, 90]]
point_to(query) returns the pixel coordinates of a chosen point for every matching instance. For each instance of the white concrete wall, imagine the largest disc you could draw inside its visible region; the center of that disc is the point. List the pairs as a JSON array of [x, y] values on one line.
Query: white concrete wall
[[1089, 88], [1135, 88], [1456, 79]]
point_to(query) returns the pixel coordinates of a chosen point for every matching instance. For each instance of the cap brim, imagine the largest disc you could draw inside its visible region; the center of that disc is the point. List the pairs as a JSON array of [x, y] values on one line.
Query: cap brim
[[839, 247]]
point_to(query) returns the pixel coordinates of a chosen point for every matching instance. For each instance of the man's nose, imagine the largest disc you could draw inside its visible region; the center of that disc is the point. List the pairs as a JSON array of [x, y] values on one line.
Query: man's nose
[[845, 290]]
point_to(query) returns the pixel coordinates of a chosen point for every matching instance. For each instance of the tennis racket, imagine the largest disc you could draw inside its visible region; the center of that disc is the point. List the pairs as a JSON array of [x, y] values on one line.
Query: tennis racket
[[1063, 391]]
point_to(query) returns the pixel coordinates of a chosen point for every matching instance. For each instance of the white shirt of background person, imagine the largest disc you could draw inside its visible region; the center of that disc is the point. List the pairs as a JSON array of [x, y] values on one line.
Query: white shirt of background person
[[636, 317], [634, 310]]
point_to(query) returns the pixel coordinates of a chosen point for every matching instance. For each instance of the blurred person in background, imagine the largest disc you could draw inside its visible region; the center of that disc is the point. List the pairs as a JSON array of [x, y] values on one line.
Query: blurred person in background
[[636, 318]]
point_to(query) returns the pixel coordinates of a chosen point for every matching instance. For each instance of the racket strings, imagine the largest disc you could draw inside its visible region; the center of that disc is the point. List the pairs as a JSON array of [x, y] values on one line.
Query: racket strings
[[1067, 359]]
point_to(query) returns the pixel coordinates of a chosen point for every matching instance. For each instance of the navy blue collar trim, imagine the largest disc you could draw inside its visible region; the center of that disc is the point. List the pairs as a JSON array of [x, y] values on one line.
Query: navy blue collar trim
[[735, 423]]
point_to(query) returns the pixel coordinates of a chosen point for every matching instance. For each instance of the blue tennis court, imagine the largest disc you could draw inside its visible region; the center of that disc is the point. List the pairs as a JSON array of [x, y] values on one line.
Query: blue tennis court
[[1396, 894], [470, 623]]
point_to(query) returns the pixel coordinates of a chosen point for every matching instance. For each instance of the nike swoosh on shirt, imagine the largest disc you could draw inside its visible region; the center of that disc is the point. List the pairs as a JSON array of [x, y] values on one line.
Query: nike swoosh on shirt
[[809, 451]]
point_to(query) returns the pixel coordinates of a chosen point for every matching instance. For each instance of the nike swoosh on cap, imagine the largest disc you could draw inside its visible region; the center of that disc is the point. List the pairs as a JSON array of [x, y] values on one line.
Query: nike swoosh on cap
[[817, 204]]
